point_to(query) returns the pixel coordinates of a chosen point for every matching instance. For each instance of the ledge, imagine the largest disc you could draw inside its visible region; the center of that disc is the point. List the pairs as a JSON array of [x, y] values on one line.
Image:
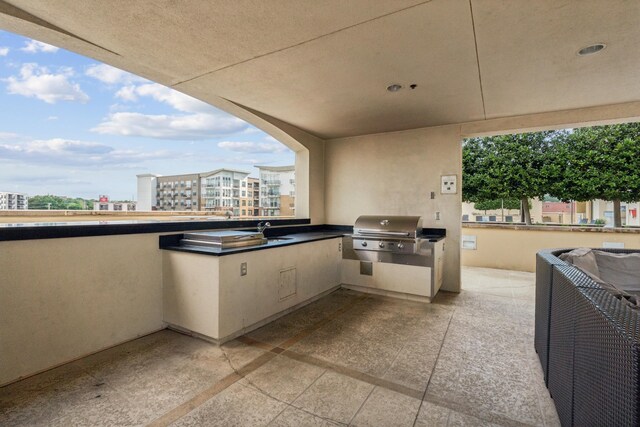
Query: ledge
[[169, 243], [572, 228], [32, 231]]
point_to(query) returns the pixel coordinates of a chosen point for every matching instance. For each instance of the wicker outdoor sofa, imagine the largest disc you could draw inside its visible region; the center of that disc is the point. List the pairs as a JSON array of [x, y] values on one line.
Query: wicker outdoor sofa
[[588, 342]]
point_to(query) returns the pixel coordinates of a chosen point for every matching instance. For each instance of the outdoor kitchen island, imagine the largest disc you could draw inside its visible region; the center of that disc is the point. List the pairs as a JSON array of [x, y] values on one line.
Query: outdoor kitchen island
[[219, 294]]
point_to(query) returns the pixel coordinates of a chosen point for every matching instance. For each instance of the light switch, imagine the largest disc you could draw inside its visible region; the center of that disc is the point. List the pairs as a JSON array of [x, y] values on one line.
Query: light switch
[[449, 184]]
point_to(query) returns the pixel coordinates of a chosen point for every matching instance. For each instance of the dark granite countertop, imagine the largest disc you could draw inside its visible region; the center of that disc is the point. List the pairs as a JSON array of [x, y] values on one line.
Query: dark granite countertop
[[283, 236], [55, 230], [272, 242]]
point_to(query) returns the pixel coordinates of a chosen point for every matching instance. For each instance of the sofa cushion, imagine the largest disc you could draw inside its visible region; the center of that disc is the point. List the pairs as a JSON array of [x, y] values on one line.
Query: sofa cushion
[[584, 259], [621, 275], [620, 269]]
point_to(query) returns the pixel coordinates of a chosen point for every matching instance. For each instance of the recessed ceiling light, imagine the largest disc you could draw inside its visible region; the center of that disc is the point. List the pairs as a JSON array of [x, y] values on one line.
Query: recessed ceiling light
[[591, 49], [394, 87]]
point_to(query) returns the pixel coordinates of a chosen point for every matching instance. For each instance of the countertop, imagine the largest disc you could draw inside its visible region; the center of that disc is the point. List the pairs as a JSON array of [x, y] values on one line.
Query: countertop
[[291, 235], [273, 242]]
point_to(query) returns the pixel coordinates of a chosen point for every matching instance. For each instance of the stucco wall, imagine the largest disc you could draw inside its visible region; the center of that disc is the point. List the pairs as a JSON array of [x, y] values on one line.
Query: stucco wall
[[515, 249], [394, 173], [61, 299]]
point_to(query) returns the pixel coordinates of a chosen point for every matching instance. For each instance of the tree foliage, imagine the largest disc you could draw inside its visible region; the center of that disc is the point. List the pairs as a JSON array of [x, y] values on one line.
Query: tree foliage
[[600, 162], [492, 205], [59, 203], [506, 167]]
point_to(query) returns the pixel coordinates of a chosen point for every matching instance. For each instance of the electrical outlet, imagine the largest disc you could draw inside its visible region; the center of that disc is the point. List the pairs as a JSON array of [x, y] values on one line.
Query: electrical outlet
[[243, 269], [437, 215], [449, 184]]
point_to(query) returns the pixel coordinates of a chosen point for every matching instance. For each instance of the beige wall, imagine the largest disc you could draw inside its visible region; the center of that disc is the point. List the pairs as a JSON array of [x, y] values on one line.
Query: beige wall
[[393, 174], [61, 299], [511, 249], [309, 151]]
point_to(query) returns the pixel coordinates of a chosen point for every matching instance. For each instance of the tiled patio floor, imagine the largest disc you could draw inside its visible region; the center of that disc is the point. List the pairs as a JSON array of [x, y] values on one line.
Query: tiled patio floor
[[349, 358]]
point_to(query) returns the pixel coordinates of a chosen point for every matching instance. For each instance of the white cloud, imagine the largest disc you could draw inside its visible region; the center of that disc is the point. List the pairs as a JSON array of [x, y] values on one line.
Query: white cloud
[[9, 135], [127, 93], [173, 98], [252, 147], [4, 51], [34, 46], [49, 179], [38, 82], [65, 152], [181, 127], [111, 75], [200, 121], [52, 118]]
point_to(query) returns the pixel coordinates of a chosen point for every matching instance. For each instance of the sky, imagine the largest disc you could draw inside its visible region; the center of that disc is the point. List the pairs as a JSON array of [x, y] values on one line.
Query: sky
[[72, 126]]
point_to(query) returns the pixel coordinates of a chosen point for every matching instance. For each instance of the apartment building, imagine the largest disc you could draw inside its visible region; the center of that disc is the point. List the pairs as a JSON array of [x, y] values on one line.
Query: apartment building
[[147, 192], [250, 204], [221, 191], [114, 206], [13, 201], [178, 192], [277, 190]]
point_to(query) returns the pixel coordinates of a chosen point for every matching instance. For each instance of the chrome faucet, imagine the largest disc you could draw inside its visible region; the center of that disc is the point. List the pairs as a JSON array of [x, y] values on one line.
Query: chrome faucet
[[262, 225]]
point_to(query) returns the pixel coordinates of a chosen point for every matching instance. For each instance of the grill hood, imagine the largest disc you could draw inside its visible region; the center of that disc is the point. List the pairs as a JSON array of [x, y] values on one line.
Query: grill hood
[[388, 226]]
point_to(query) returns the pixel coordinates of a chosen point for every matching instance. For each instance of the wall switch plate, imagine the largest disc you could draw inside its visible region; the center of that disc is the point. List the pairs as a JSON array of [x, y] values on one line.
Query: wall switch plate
[[437, 216], [243, 269], [433, 195], [449, 184]]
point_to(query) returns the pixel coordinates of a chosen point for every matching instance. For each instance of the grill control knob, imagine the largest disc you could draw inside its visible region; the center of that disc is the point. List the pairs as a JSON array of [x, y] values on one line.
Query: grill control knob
[[364, 244], [400, 245], [381, 244]]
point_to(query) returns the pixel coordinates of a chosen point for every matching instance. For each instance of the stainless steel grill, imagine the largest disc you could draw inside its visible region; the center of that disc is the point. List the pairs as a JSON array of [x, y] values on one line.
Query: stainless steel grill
[[393, 239], [396, 240], [395, 234]]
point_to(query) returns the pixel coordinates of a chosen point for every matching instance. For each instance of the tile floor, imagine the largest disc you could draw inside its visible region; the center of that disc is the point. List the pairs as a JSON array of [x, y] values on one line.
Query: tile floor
[[348, 359]]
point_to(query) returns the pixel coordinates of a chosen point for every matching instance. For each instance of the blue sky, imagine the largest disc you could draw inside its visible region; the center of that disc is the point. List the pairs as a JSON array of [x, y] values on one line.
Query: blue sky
[[72, 126]]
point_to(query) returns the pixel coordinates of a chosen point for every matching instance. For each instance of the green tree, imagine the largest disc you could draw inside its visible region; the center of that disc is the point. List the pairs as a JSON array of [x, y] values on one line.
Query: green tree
[[507, 167], [601, 162], [52, 202]]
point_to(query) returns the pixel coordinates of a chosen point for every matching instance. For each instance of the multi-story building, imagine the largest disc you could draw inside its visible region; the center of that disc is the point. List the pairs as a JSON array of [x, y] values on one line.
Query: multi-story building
[[147, 192], [13, 201], [225, 191], [253, 197], [178, 192], [114, 206], [277, 190]]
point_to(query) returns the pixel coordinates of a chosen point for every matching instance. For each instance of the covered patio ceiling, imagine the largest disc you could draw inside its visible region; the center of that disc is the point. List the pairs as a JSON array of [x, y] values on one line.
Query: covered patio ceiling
[[324, 66]]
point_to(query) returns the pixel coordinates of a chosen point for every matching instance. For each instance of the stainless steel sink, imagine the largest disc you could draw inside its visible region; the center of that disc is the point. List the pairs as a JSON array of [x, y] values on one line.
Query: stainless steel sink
[[279, 239]]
